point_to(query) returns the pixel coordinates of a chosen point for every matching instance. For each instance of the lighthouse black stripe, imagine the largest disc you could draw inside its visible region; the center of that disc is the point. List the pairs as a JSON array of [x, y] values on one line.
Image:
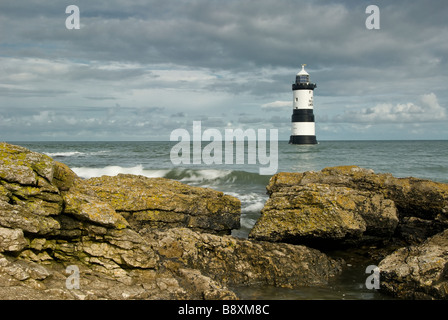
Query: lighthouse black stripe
[[302, 118], [302, 111], [302, 140], [302, 115]]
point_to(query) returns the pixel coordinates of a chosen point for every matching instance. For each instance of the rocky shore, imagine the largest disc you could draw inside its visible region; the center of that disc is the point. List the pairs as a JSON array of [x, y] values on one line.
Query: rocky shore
[[132, 237], [399, 222]]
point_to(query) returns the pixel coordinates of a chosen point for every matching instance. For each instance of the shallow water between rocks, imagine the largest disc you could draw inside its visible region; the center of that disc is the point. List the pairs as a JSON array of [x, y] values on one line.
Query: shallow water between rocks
[[349, 285]]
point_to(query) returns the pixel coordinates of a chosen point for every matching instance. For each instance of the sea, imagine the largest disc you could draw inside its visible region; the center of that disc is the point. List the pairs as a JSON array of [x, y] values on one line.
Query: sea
[[421, 159]]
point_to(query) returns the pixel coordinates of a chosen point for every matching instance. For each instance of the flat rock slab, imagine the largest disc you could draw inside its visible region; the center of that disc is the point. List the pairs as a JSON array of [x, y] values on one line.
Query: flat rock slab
[[318, 213], [160, 202], [350, 205]]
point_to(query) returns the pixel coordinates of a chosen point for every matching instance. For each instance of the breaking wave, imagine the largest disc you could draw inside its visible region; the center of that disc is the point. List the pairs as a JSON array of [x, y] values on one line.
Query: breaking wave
[[87, 173], [67, 154]]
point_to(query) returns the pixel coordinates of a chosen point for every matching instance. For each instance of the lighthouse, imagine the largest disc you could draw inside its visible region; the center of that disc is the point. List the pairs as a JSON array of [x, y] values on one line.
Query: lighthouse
[[303, 128]]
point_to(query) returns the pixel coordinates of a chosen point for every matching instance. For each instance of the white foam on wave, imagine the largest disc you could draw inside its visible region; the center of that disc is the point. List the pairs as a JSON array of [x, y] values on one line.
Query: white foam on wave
[[251, 205], [202, 175], [65, 154], [254, 207], [74, 153], [247, 223], [250, 202], [186, 176], [88, 173]]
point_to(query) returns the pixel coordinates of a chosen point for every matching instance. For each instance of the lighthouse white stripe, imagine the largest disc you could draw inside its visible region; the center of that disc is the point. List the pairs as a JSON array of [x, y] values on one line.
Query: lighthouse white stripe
[[303, 99], [303, 129]]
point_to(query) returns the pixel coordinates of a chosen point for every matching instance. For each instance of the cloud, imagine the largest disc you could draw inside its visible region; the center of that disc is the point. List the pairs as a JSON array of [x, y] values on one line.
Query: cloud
[[428, 110], [277, 105], [100, 98], [228, 35]]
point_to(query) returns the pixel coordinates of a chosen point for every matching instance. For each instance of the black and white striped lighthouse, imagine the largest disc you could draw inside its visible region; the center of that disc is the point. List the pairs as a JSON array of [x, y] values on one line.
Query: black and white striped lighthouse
[[303, 128]]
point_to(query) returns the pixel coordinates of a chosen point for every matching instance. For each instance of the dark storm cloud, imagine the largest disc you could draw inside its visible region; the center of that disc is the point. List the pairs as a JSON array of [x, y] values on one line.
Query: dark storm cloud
[[212, 34], [228, 34]]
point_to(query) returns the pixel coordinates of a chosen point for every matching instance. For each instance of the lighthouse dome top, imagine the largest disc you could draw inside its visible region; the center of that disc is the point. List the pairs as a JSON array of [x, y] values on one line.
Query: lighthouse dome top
[[302, 77], [303, 72], [303, 81]]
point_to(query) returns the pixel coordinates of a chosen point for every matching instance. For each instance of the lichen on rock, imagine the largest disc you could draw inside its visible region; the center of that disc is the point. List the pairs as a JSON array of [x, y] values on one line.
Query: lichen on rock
[[322, 213], [419, 271], [353, 206], [160, 202], [122, 234], [342, 197]]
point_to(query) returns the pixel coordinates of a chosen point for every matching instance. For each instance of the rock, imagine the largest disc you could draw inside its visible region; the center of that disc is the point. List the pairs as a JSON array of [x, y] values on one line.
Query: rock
[[159, 202], [31, 199], [57, 230], [231, 261], [132, 237], [84, 204], [11, 240], [323, 215], [51, 217], [419, 271], [209, 289], [63, 177], [23, 270], [351, 206], [20, 165], [416, 230], [408, 192], [412, 208], [19, 217], [24, 280], [28, 200]]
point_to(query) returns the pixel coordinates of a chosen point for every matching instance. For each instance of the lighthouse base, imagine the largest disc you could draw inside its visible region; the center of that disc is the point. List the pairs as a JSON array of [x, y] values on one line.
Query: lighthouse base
[[302, 140]]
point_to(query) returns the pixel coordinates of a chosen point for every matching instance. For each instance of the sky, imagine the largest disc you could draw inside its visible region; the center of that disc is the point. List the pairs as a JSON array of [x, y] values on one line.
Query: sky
[[138, 69]]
